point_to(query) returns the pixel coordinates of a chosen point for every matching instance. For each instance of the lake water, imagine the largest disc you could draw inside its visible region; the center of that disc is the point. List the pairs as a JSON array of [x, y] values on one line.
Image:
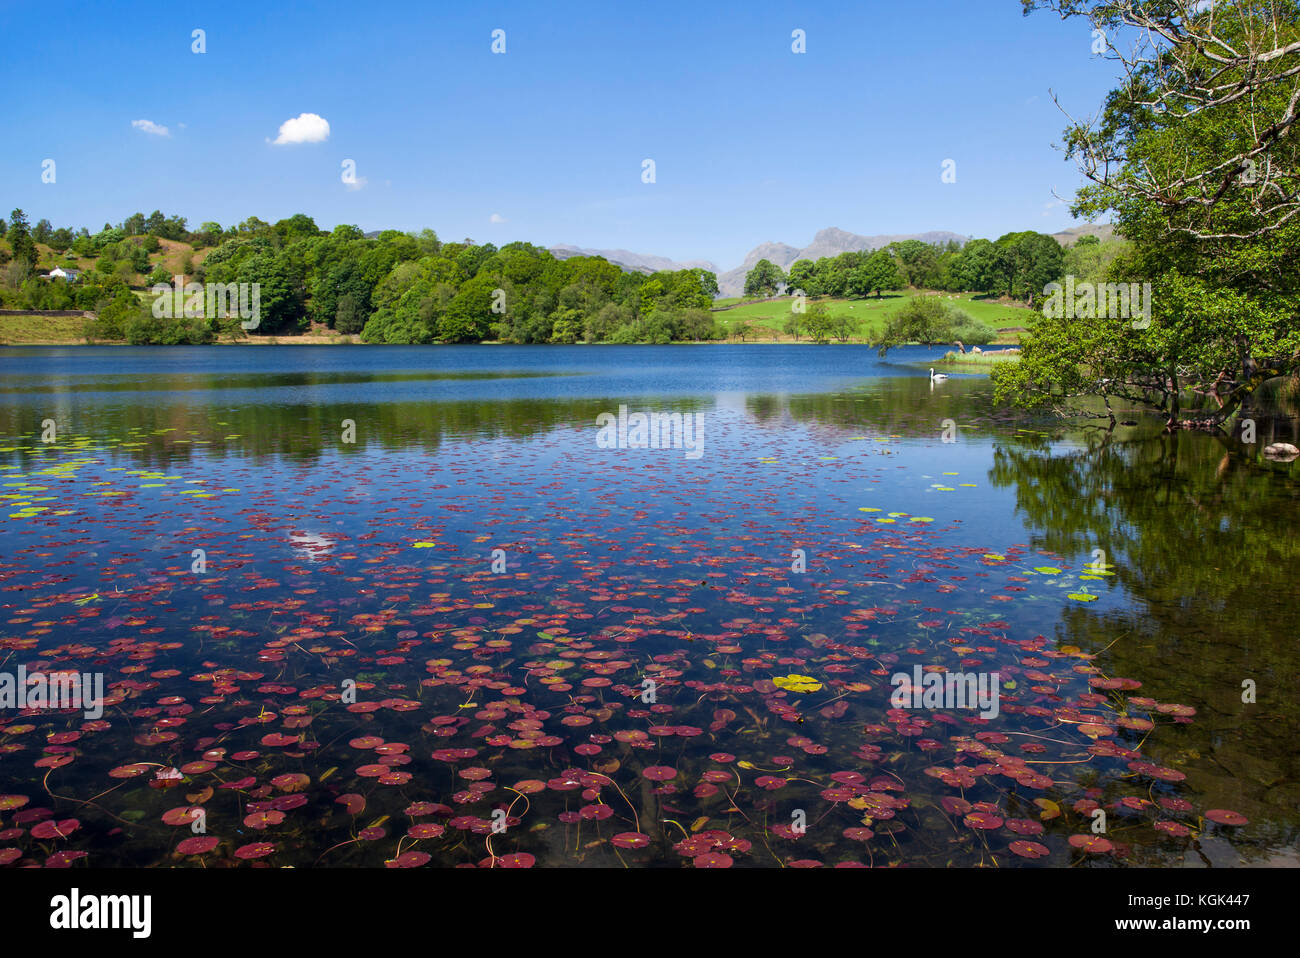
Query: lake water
[[395, 605]]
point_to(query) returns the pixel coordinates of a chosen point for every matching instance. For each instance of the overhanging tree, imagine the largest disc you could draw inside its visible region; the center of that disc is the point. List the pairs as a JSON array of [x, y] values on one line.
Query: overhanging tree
[[1195, 155]]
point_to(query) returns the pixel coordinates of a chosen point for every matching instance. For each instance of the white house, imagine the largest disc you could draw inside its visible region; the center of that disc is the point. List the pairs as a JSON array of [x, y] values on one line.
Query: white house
[[66, 274]]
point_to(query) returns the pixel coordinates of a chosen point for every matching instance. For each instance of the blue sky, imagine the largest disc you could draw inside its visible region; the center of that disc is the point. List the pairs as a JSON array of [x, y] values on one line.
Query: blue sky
[[751, 141]]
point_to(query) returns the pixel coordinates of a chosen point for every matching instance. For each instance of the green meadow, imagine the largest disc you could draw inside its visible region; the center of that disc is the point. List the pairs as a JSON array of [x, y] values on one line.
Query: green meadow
[[767, 319], [41, 330]]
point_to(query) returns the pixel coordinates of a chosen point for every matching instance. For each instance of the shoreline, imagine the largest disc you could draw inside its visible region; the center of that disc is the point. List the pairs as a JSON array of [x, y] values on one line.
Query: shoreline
[[340, 341]]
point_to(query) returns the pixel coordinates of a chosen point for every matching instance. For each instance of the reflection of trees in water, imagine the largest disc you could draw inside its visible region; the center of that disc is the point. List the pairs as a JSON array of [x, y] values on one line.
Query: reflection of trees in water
[[900, 405], [303, 432], [1199, 532]]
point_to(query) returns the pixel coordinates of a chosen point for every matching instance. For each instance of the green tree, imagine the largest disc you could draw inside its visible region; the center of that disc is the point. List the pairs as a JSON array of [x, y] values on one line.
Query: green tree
[[1026, 262], [708, 283], [651, 293], [566, 325], [880, 272], [1090, 262], [917, 263], [349, 317], [295, 227], [763, 279], [600, 326], [975, 267], [111, 322], [20, 238], [923, 319], [802, 274], [1196, 157], [818, 323], [280, 300], [697, 325], [469, 316], [842, 327]]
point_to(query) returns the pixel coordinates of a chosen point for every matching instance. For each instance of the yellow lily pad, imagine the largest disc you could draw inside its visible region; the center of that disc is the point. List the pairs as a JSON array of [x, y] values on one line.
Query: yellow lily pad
[[797, 683]]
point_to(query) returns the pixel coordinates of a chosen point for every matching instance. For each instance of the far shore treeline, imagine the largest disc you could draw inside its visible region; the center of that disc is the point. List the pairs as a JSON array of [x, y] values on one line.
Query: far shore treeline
[[400, 288]]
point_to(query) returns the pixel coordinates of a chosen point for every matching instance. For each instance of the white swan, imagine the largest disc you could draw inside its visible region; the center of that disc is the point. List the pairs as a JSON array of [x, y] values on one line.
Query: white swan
[[939, 378]]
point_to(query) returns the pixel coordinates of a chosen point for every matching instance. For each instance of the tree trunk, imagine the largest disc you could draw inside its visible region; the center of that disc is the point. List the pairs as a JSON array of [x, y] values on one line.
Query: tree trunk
[[1173, 397]]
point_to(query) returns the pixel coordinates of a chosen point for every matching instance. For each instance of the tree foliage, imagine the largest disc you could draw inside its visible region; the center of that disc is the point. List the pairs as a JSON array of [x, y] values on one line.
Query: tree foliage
[[1196, 155], [763, 279], [929, 320]]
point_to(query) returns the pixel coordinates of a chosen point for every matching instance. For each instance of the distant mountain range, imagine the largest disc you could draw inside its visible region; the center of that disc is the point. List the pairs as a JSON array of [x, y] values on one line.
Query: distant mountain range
[[637, 262], [1103, 232], [828, 242]]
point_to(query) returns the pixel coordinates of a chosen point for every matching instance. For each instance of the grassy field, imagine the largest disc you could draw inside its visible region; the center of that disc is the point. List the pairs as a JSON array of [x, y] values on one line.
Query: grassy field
[[170, 254], [870, 315], [41, 330]]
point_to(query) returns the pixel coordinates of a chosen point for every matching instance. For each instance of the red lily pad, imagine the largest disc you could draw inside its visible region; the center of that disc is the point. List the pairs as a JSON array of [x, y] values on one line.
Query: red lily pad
[[1027, 849], [181, 815], [291, 782], [353, 803], [261, 820], [1225, 816], [64, 859], [53, 829], [1092, 843], [255, 850], [1024, 826], [408, 860], [713, 860], [198, 845], [954, 805]]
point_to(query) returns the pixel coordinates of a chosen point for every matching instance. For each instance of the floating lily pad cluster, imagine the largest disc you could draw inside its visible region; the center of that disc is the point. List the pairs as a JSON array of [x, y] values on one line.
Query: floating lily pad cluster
[[347, 681]]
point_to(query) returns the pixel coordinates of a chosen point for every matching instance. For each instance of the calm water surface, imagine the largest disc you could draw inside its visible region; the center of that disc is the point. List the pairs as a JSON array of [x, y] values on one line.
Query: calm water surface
[[471, 636]]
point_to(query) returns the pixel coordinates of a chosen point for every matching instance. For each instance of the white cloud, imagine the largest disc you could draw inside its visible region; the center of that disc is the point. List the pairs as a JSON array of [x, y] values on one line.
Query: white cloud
[[496, 218], [304, 128], [357, 184], [149, 126]]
